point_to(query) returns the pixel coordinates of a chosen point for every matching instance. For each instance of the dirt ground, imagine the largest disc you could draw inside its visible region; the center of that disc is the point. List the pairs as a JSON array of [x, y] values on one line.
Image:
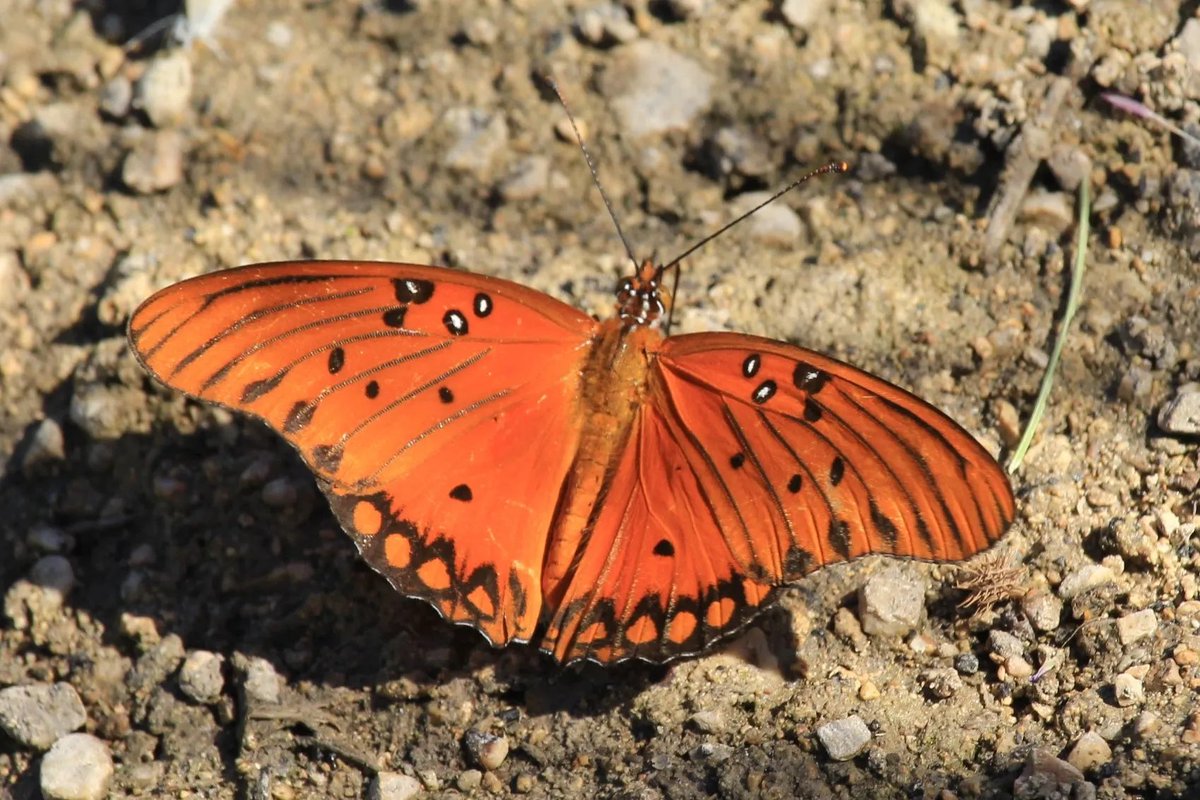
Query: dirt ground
[[142, 531]]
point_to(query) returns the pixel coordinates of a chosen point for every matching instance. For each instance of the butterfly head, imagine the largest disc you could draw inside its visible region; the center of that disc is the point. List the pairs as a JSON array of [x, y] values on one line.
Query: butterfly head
[[642, 299]]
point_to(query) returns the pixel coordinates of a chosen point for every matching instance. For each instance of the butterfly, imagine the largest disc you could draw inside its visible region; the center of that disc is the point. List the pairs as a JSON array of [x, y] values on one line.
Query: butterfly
[[597, 487]]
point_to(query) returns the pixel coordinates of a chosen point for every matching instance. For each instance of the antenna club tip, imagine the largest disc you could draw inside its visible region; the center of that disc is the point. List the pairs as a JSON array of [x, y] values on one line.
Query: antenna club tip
[[840, 166]]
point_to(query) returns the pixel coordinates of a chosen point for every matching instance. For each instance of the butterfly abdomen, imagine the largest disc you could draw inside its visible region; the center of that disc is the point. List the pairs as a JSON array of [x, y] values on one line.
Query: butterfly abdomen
[[615, 381]]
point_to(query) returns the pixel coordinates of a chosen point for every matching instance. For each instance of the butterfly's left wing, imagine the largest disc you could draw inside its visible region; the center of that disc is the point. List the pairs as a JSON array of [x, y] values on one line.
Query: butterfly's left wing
[[439, 410], [752, 464]]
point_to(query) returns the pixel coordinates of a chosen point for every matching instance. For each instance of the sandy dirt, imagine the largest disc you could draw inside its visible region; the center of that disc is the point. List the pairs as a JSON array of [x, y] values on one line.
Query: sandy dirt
[[147, 539]]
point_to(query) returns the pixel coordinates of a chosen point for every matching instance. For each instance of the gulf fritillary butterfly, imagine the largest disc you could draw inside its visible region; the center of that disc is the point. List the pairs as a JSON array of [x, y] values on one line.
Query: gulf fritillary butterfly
[[518, 464]]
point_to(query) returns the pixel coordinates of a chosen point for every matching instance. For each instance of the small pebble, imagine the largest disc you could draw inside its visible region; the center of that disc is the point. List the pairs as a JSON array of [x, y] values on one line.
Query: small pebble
[[47, 539], [1090, 751], [524, 783], [967, 664], [468, 780], [477, 138], [941, 683], [891, 602], [200, 676], [802, 14], [687, 9], [46, 446], [775, 225], [843, 739], [116, 97], [1050, 210], [155, 164], [280, 493], [1083, 579], [1043, 765], [707, 721], [39, 715], [488, 750], [261, 682], [1018, 668], [1003, 645], [1128, 689], [1043, 610], [164, 92], [393, 786], [1180, 416], [278, 34], [1146, 724], [653, 89], [53, 573], [78, 767], [605, 24], [1135, 626], [528, 179]]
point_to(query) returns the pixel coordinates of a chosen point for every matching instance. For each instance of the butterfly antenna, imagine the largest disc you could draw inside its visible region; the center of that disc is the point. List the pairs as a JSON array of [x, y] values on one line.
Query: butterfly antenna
[[592, 168], [836, 166]]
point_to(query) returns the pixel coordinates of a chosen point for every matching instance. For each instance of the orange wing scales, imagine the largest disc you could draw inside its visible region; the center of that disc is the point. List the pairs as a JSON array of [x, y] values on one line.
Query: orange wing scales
[[437, 408], [752, 464]]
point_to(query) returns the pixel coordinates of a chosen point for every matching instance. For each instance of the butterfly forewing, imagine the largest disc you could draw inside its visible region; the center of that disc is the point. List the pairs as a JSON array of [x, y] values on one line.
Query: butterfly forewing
[[437, 408]]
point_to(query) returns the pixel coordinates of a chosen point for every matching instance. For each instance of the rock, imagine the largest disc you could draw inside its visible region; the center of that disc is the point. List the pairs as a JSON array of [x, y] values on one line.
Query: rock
[[707, 721], [1128, 689], [528, 179], [164, 92], [935, 29], [116, 97], [46, 446], [736, 151], [1050, 210], [155, 164], [653, 89], [1043, 610], [1135, 626], [1180, 416], [1042, 775], [37, 716], [261, 682], [1084, 579], [477, 135], [802, 14], [891, 602], [843, 739], [393, 786], [1003, 645], [200, 676], [468, 780], [47, 539], [605, 24], [99, 409], [776, 224], [967, 664], [78, 767], [1090, 751], [53, 573], [941, 683], [488, 750]]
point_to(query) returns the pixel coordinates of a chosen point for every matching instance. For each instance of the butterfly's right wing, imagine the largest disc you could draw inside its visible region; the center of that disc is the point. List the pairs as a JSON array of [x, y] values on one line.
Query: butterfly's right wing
[[439, 410]]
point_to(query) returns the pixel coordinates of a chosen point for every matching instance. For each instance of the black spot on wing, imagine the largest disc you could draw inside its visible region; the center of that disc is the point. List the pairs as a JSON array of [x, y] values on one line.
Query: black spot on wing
[[737, 460], [372, 390], [412, 290], [394, 317], [483, 305], [455, 322], [808, 378], [257, 389], [884, 526], [298, 418], [764, 391], [795, 483], [839, 538], [750, 365], [837, 470], [337, 360], [812, 411], [462, 493], [664, 548], [445, 395]]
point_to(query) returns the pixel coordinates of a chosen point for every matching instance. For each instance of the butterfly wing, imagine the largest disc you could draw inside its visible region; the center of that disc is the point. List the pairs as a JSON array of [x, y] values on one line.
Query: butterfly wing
[[438, 409], [753, 464]]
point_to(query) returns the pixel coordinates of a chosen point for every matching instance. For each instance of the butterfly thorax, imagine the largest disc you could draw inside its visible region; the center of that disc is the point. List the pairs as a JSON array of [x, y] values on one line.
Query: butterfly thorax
[[616, 380]]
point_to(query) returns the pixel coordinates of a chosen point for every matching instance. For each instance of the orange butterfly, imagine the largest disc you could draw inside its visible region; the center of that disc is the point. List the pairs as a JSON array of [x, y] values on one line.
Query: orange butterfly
[[512, 461]]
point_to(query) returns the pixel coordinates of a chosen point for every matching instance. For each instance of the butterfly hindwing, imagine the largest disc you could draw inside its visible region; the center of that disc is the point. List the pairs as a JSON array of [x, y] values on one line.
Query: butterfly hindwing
[[752, 464], [408, 390]]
